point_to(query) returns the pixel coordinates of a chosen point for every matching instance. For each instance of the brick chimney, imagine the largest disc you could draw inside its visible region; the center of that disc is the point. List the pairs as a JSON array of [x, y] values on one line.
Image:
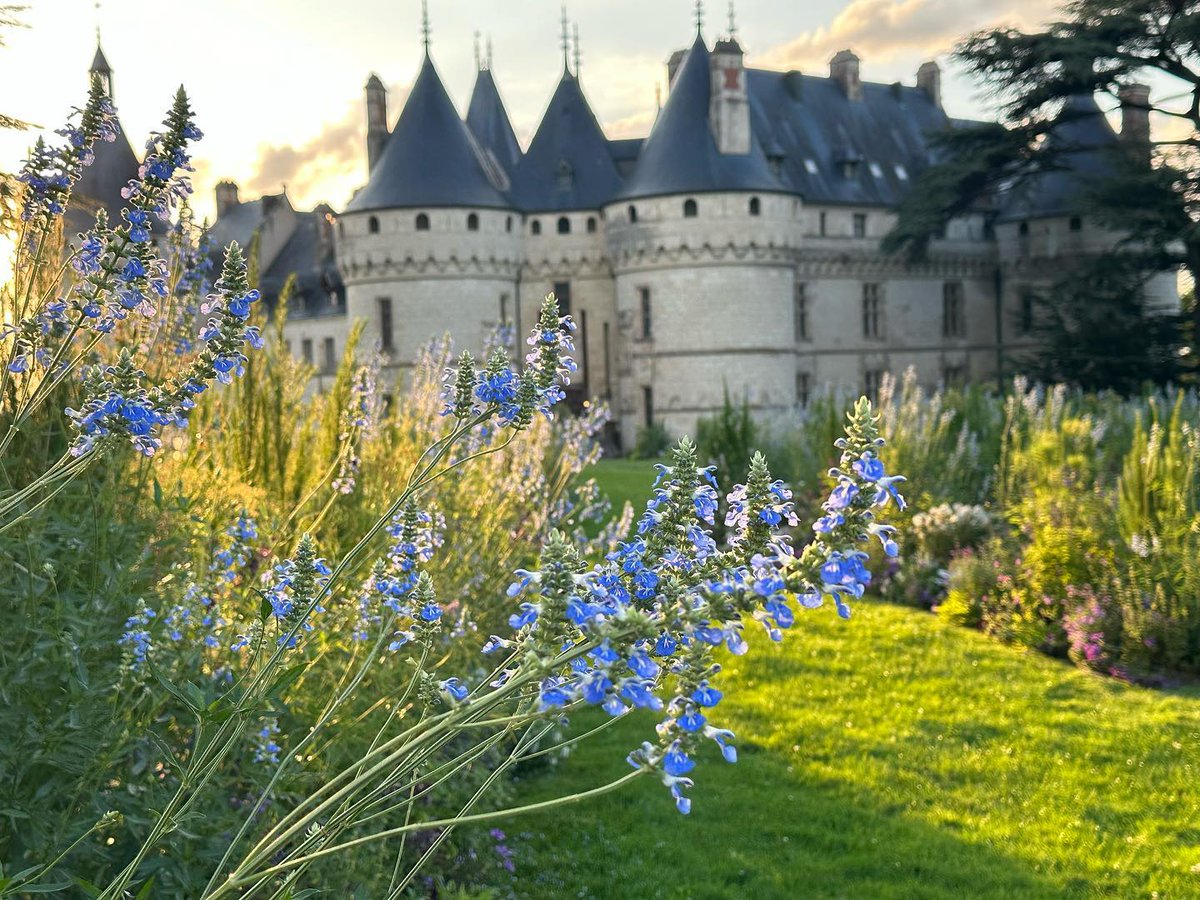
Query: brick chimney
[[377, 130], [1135, 117], [843, 69], [227, 197], [929, 79], [729, 106]]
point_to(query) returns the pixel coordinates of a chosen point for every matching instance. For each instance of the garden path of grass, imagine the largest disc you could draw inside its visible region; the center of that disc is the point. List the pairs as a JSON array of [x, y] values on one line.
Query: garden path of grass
[[890, 756]]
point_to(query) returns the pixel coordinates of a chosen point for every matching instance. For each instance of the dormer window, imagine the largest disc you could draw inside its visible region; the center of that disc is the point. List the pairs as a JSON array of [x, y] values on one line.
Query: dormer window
[[849, 168], [473, 222], [901, 172], [811, 167], [422, 222], [876, 170], [566, 175], [690, 208], [373, 225]]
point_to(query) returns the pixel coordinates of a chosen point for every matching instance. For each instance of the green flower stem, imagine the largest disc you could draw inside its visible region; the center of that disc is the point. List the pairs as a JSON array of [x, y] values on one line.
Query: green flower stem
[[234, 882]]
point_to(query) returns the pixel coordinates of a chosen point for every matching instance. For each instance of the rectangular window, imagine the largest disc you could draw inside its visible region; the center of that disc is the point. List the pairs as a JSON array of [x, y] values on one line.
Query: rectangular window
[[801, 314], [821, 222], [802, 389], [953, 321], [647, 323], [872, 382], [860, 225], [1026, 319], [504, 309], [648, 405], [562, 292], [306, 350], [872, 311], [387, 340], [330, 352]]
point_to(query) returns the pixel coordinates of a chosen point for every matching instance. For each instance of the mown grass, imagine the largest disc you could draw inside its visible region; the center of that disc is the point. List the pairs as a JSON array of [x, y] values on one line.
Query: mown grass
[[890, 756]]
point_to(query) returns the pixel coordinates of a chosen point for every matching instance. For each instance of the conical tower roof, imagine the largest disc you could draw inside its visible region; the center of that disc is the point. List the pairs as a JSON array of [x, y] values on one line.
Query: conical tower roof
[[489, 122], [569, 164], [680, 156], [1081, 143], [431, 157], [100, 63]]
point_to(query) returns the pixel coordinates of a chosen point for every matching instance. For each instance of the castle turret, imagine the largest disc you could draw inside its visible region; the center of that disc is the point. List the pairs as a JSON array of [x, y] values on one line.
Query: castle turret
[[227, 197], [844, 69], [729, 106], [377, 130], [100, 69]]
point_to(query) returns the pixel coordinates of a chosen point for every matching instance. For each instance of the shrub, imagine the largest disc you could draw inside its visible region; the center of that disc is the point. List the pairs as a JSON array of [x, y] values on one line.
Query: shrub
[[652, 442]]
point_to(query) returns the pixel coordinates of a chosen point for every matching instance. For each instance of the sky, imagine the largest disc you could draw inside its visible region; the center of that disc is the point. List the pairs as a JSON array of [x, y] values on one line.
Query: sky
[[277, 85]]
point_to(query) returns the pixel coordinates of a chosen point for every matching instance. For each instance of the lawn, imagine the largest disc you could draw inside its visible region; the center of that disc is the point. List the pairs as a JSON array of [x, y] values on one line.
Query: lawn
[[890, 756]]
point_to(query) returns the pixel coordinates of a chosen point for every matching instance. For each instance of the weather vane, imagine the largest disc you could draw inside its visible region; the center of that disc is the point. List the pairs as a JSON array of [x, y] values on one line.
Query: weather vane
[[425, 24], [699, 15], [575, 28], [732, 20], [489, 52], [478, 58]]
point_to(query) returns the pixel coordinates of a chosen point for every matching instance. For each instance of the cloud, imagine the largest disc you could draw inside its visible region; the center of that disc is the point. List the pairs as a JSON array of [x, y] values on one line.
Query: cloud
[[890, 30], [635, 125]]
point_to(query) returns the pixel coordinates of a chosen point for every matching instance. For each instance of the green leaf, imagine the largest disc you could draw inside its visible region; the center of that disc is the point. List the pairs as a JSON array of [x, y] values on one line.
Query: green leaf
[[158, 496], [174, 691], [145, 891]]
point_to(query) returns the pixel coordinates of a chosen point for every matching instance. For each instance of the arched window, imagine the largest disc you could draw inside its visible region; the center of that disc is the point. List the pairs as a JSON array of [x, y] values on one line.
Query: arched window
[[1076, 223], [632, 213], [422, 222], [473, 222], [373, 225], [536, 226], [690, 209], [508, 224], [755, 206], [1023, 229], [591, 225], [564, 225]]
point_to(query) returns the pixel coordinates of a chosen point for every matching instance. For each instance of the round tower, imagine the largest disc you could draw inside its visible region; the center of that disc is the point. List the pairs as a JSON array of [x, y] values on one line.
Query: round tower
[[430, 239], [702, 240]]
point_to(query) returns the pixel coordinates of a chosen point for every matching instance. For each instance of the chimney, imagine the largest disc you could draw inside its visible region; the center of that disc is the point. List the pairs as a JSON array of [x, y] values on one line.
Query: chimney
[[673, 65], [929, 79], [728, 107], [377, 130], [227, 197], [843, 69], [1135, 117]]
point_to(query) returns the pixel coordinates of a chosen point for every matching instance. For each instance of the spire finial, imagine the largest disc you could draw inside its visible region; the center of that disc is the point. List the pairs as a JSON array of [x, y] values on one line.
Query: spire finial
[[478, 58], [489, 52], [732, 20], [575, 34], [425, 31], [566, 40], [699, 16]]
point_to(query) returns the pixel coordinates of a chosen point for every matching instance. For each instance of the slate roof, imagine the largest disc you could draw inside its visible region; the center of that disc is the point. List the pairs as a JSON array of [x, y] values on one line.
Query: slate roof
[[99, 187], [489, 122], [680, 155], [1083, 141], [319, 289], [431, 157], [831, 149], [238, 223], [569, 163]]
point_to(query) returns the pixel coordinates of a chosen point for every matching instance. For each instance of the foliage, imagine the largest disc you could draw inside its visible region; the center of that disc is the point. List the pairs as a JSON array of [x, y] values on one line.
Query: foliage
[[726, 438], [1095, 47], [652, 442]]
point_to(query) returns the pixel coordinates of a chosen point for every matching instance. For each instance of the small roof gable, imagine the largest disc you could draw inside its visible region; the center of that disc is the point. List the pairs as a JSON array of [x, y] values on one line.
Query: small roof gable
[[681, 156], [100, 63], [1082, 141], [431, 158], [489, 122], [569, 164]]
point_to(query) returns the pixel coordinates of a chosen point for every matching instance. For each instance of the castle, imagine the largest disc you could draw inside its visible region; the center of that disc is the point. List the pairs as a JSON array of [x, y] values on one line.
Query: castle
[[735, 248]]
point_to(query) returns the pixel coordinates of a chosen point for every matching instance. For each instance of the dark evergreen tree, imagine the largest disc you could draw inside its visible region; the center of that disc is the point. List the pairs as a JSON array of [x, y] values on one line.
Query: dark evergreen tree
[[1092, 324]]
